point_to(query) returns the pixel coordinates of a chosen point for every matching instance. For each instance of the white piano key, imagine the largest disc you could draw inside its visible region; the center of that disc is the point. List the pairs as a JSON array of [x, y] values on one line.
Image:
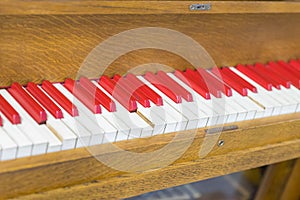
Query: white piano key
[[223, 103], [181, 120], [295, 94], [252, 108], [8, 146], [74, 124], [109, 130], [123, 129], [272, 107], [23, 143], [85, 116], [63, 133], [288, 106], [138, 127], [40, 144], [152, 114], [290, 97]]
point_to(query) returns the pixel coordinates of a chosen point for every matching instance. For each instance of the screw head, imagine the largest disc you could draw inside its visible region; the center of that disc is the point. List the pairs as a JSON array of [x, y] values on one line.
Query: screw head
[[221, 143]]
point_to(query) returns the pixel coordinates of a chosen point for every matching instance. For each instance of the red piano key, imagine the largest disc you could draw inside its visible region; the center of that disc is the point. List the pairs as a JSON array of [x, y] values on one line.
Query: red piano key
[[115, 80], [219, 85], [119, 94], [290, 68], [198, 78], [176, 87], [203, 91], [84, 96], [163, 87], [242, 90], [29, 104], [283, 72], [104, 100], [153, 96], [275, 79], [295, 64], [132, 90], [238, 79], [63, 101], [11, 114], [254, 76], [268, 77], [208, 83], [44, 100]]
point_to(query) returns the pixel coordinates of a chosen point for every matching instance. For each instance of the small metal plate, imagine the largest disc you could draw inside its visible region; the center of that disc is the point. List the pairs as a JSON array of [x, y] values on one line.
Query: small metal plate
[[197, 7], [221, 129]]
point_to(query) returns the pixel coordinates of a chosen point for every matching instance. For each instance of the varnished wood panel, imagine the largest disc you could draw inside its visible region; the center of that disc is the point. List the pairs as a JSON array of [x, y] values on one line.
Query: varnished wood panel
[[17, 7], [260, 140], [38, 47], [177, 174]]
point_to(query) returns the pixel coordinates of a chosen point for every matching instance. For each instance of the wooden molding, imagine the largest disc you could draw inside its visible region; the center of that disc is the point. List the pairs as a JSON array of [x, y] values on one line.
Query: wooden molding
[[21, 7]]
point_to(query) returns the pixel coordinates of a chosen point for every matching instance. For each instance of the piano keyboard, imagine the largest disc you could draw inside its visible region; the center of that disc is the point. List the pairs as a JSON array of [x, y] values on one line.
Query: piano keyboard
[[51, 117]]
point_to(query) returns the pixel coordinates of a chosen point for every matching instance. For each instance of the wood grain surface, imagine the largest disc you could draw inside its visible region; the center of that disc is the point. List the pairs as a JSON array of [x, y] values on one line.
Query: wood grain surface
[[22, 7], [134, 184], [260, 140], [53, 47]]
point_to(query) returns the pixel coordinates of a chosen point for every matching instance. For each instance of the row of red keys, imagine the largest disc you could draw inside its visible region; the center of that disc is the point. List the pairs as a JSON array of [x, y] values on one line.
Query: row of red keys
[[129, 90]]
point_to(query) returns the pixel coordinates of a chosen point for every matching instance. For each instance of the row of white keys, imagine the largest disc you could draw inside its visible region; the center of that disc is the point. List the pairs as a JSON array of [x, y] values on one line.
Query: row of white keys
[[232, 109], [205, 108], [171, 114], [79, 132], [96, 132], [60, 129], [116, 121], [282, 97], [97, 123], [54, 144], [8, 148], [23, 143], [234, 101], [272, 106], [138, 126], [40, 144], [184, 110], [253, 110], [162, 117], [157, 116]]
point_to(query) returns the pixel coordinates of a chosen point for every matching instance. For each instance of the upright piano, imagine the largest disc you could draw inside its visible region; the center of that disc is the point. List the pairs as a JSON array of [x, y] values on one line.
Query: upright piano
[[112, 99]]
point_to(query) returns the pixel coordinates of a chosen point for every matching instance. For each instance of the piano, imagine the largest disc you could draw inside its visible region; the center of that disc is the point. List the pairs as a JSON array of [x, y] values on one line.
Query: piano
[[149, 119]]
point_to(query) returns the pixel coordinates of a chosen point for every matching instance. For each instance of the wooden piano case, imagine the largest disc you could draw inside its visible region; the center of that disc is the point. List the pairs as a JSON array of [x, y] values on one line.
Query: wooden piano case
[[50, 39]]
